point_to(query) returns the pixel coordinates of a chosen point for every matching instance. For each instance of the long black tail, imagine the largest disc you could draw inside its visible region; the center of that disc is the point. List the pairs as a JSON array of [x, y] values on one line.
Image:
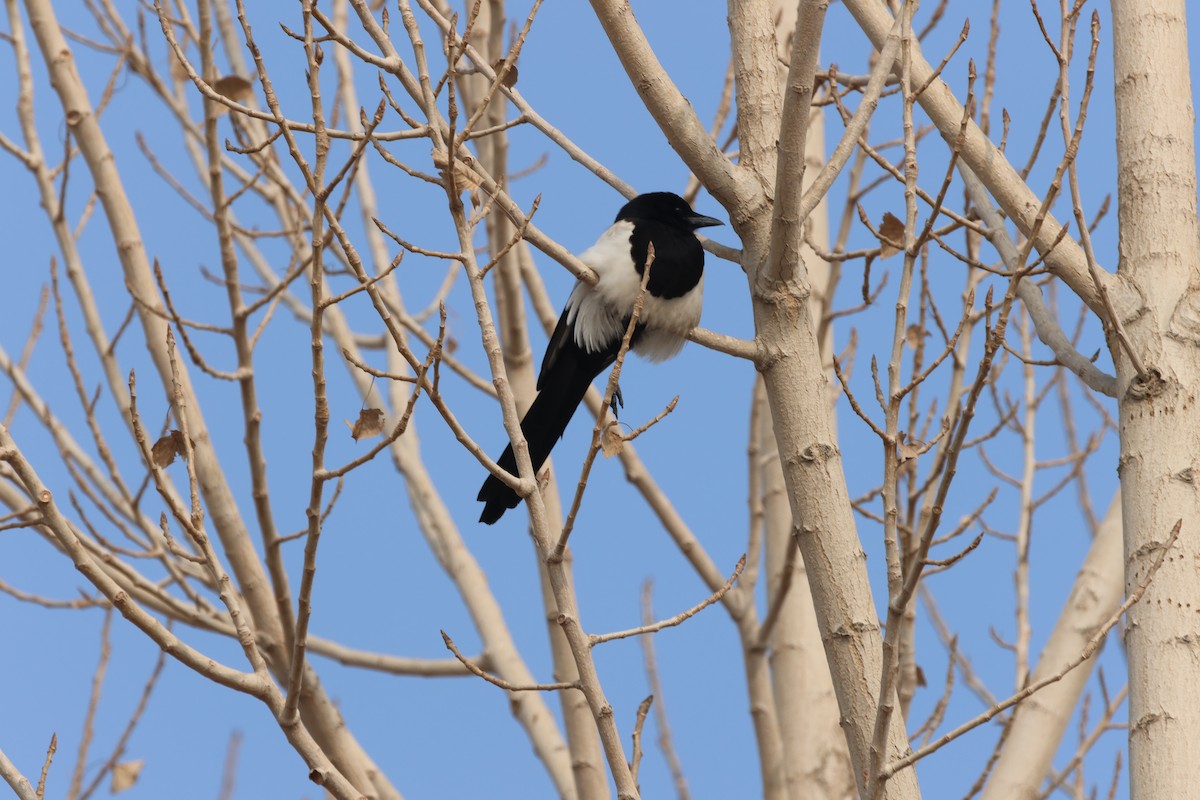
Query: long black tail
[[562, 388]]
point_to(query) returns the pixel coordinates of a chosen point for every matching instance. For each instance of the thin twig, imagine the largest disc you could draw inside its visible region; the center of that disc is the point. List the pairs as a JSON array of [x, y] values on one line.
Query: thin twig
[[1088, 651], [503, 684], [595, 639], [41, 787], [665, 741], [643, 710], [89, 719]]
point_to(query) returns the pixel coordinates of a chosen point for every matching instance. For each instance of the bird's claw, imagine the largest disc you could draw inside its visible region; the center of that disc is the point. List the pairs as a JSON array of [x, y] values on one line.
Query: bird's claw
[[617, 403]]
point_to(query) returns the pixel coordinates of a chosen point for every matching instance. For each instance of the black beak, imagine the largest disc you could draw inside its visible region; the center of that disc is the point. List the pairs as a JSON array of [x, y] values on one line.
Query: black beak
[[698, 221]]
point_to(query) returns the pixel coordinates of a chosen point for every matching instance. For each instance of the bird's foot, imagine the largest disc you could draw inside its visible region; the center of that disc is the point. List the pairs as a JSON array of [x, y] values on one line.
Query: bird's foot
[[617, 403]]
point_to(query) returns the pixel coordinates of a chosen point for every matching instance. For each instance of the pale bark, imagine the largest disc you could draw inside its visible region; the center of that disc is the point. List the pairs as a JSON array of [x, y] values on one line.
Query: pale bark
[[327, 725], [1159, 415], [93, 146], [790, 355], [1041, 720], [797, 689], [1044, 322], [824, 528], [816, 763], [16, 781], [587, 758], [671, 110], [977, 151], [324, 771]]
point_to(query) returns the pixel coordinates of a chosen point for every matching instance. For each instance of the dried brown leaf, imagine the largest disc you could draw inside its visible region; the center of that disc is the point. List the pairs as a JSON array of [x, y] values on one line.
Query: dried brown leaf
[[165, 449], [612, 441], [369, 423], [125, 775], [913, 336], [891, 235], [464, 177], [909, 449], [510, 78], [235, 87]]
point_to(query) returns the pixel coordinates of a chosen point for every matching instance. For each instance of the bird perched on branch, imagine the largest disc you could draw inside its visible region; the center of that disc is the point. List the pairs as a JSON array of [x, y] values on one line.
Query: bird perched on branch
[[588, 335]]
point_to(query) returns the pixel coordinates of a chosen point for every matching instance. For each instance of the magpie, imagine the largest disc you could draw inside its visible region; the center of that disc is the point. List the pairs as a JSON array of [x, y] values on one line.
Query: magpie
[[588, 335]]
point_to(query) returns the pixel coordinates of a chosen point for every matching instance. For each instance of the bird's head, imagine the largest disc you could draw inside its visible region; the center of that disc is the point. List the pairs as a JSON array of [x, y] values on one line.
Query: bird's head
[[666, 208]]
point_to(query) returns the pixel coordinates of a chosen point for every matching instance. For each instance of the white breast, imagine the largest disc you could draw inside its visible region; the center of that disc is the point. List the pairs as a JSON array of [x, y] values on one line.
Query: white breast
[[598, 312], [668, 322]]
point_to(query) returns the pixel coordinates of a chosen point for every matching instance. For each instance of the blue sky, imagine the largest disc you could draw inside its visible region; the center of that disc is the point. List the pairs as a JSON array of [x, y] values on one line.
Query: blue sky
[[378, 586]]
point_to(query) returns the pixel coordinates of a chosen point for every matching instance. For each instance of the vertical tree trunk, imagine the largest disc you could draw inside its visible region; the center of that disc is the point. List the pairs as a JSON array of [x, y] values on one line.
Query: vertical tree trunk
[[1159, 415], [816, 763]]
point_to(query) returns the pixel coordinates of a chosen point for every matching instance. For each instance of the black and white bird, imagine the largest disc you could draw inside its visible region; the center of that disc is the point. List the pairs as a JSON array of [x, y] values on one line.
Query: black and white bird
[[588, 335]]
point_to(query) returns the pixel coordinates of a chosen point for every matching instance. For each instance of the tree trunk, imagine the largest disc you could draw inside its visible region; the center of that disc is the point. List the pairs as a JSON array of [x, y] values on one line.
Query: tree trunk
[[1159, 416]]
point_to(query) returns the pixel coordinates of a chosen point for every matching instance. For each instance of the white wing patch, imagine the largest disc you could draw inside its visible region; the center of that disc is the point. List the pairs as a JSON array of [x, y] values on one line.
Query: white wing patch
[[595, 324]]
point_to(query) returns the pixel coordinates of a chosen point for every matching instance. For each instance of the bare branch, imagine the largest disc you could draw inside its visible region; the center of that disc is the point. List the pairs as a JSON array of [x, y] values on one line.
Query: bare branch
[[503, 684], [596, 639], [1089, 649]]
